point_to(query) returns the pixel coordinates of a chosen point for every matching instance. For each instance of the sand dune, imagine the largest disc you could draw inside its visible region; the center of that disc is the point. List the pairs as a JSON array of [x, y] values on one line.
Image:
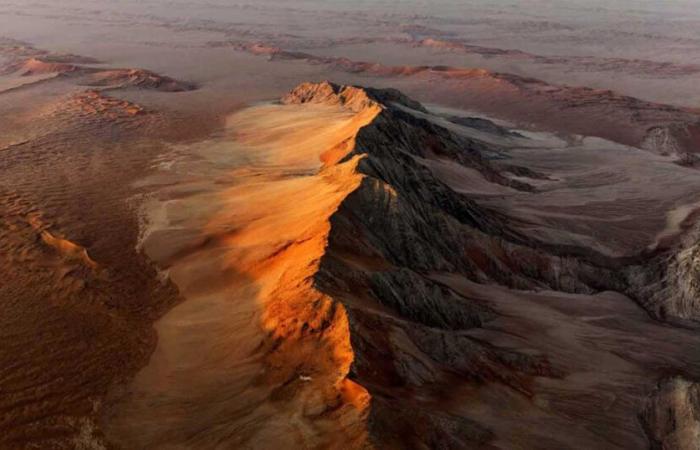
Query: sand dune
[[78, 301], [64, 247], [29, 65], [249, 252]]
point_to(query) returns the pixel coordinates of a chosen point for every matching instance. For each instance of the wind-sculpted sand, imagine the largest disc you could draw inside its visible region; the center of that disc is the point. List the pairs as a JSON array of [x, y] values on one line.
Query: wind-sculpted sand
[[241, 234], [77, 299]]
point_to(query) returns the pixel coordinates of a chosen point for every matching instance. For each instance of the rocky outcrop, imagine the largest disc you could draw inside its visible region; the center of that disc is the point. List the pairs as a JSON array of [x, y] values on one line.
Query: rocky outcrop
[[668, 285], [410, 218], [671, 416], [680, 140], [350, 97]]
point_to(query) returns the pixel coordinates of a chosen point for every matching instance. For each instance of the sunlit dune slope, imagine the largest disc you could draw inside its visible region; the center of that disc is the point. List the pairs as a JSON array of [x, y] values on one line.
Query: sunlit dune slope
[[251, 251]]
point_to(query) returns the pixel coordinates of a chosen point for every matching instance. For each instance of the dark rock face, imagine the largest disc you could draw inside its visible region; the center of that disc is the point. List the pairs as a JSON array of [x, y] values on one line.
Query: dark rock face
[[397, 227], [403, 224], [433, 430], [674, 139], [423, 301], [350, 97]]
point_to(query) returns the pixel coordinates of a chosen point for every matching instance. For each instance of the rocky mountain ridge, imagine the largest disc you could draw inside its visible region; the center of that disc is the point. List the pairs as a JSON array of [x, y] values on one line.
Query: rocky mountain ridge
[[396, 232]]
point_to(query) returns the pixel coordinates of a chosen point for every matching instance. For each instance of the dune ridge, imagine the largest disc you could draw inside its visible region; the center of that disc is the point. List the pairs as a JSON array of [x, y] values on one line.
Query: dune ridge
[[633, 66], [259, 242], [308, 332], [32, 65], [419, 37], [64, 247], [661, 128]]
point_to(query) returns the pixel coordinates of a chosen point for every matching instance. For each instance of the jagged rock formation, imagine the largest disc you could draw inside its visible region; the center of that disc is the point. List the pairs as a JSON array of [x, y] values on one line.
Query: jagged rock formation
[[401, 224], [395, 228], [400, 205], [672, 415], [378, 305], [668, 285]]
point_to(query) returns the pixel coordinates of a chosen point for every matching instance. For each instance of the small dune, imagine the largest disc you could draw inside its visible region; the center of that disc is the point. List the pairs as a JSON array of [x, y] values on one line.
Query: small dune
[[38, 66], [65, 248], [24, 60], [138, 78]]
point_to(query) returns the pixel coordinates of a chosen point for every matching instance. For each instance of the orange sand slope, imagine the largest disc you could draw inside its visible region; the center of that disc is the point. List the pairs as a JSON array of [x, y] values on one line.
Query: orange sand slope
[[244, 256]]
